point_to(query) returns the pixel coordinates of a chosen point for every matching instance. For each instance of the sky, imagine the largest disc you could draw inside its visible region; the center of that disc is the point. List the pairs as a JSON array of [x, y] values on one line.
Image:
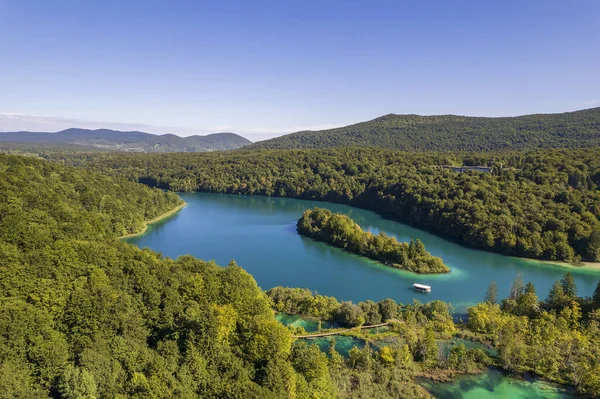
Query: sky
[[266, 68]]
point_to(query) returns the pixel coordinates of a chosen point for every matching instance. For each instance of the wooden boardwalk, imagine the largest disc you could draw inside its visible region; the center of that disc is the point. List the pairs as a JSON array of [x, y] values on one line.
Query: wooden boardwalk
[[310, 336]]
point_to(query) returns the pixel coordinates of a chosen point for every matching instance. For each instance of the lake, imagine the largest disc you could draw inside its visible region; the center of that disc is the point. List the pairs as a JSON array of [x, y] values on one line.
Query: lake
[[259, 233]]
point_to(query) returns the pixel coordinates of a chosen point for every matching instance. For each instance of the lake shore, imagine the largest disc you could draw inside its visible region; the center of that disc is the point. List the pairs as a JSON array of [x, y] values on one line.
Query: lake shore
[[156, 219], [595, 266], [266, 225]]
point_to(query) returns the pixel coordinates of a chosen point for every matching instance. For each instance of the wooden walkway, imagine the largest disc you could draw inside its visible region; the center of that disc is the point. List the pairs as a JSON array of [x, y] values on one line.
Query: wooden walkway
[[310, 336]]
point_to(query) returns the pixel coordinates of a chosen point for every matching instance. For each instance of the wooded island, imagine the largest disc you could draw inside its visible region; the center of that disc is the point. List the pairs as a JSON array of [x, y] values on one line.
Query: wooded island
[[342, 232]]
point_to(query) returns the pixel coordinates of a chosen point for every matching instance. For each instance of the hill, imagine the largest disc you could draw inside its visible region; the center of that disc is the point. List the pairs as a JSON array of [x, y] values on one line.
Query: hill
[[83, 315], [114, 140], [579, 129]]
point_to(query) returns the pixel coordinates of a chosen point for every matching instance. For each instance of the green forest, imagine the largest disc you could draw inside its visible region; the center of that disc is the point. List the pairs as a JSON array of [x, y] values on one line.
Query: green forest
[[341, 231], [577, 129], [84, 315], [542, 204]]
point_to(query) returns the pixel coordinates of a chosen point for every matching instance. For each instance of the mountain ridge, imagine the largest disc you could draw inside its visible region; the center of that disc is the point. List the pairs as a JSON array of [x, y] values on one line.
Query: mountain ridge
[[136, 141], [411, 132]]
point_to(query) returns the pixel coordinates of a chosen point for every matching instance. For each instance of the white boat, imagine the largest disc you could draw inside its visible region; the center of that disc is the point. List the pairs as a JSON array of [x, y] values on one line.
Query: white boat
[[421, 288]]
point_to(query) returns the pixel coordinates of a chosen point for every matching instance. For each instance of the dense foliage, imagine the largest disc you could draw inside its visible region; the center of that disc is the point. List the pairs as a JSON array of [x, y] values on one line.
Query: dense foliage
[[578, 129], [43, 202], [556, 338], [83, 315], [304, 302], [341, 231], [541, 204], [417, 343]]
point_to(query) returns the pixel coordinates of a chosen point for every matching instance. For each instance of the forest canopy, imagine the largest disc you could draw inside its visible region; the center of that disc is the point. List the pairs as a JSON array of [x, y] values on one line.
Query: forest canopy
[[84, 315]]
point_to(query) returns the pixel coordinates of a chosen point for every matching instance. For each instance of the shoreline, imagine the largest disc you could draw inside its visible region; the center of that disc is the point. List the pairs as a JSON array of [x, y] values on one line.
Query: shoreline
[[581, 266], [151, 221], [381, 263], [590, 266]]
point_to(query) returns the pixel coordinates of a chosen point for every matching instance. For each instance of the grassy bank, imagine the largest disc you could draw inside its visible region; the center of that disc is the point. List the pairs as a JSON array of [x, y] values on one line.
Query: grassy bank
[[156, 219]]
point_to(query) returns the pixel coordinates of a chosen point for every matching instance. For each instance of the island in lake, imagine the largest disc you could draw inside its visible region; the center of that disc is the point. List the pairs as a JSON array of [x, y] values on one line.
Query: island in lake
[[341, 231]]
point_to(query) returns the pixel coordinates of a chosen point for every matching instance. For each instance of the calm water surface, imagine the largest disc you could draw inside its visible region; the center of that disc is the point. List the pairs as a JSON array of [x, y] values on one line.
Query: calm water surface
[[259, 233], [495, 385], [310, 325]]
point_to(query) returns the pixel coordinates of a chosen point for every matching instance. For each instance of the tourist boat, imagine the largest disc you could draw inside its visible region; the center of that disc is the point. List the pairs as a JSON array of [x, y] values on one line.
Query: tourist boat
[[421, 288]]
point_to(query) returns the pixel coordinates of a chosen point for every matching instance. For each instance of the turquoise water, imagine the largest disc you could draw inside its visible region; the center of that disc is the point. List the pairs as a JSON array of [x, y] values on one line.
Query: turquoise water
[[260, 234], [343, 344], [495, 385]]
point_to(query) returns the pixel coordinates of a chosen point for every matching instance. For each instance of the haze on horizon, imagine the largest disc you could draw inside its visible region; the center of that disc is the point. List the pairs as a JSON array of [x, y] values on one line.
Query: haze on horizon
[[266, 68]]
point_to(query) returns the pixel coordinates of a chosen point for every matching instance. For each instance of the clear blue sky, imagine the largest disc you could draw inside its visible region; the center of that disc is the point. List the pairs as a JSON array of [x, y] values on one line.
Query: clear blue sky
[[266, 67]]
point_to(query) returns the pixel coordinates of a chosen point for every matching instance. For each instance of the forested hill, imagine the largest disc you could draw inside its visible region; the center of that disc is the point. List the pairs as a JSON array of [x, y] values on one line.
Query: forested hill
[[83, 315], [578, 129], [44, 202], [113, 140]]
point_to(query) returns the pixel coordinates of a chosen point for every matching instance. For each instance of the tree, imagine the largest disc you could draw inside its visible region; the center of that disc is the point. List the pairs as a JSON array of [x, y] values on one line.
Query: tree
[[528, 303], [596, 297], [371, 312], [457, 357], [491, 295], [405, 358], [428, 349], [592, 252], [336, 360], [512, 347], [77, 383], [420, 248], [529, 288], [569, 286], [388, 309], [517, 287], [556, 299], [350, 314], [312, 364], [16, 382], [361, 359], [269, 339], [485, 318], [387, 355]]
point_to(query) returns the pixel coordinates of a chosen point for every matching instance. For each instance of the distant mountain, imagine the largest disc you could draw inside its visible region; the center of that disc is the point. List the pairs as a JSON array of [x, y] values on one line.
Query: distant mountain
[[114, 140], [451, 132]]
